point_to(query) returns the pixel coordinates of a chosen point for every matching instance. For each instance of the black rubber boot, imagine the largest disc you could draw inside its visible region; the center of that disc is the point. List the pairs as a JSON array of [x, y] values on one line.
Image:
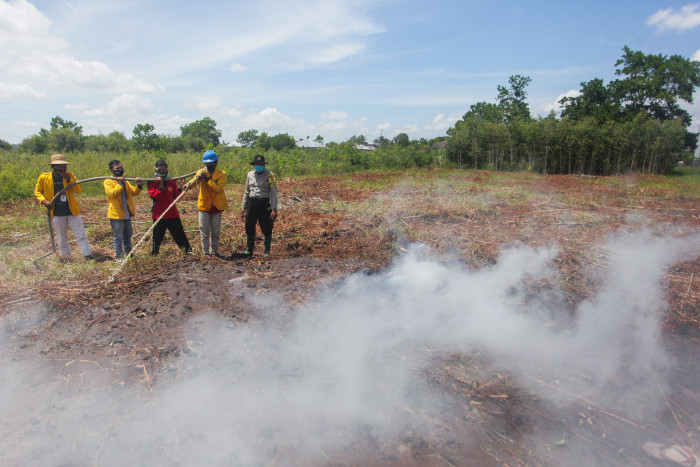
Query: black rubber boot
[[268, 242], [250, 244]]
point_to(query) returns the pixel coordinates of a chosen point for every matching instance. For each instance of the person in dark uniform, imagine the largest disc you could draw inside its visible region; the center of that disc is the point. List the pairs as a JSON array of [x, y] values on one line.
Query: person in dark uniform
[[259, 204]]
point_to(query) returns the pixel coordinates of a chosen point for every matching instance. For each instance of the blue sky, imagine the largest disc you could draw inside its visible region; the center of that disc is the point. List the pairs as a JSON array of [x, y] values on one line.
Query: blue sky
[[334, 68]]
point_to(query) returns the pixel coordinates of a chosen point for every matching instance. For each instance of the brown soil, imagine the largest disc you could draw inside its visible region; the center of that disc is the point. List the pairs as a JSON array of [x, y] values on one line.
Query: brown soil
[[88, 363]]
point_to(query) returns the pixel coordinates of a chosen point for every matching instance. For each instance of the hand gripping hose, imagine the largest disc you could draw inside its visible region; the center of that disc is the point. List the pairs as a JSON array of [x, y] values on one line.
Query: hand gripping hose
[[48, 209], [145, 235]]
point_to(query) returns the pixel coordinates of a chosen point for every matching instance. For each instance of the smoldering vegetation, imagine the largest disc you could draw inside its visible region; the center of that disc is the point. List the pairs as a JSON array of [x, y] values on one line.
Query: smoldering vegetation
[[300, 383]]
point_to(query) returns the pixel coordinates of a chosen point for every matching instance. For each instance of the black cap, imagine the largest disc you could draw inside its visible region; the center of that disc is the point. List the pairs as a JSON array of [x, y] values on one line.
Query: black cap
[[258, 160]]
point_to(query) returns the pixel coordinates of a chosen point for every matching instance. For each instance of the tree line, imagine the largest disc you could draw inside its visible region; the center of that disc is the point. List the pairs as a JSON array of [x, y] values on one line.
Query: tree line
[[65, 136], [634, 123]]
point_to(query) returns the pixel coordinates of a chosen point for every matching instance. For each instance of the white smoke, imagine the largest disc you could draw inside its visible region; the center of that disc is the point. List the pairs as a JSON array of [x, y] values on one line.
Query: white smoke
[[306, 382]]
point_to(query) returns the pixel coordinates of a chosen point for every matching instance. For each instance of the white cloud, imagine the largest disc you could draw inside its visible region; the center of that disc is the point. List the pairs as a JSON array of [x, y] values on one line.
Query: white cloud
[[77, 106], [546, 108], [408, 129], [686, 18], [303, 33], [339, 126], [233, 113], [213, 107], [19, 91], [30, 50], [334, 115], [23, 29], [271, 118], [442, 122], [237, 67], [333, 53], [204, 103], [168, 125], [696, 56], [124, 105]]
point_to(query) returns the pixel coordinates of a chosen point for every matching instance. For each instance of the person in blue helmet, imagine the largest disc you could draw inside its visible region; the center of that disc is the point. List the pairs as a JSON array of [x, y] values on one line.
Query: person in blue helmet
[[211, 203]]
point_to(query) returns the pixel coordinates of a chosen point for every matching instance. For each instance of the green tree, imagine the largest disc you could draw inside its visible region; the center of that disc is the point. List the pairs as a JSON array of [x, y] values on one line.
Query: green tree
[[318, 139], [512, 99], [145, 139], [402, 140], [354, 139], [204, 129], [114, 142], [4, 145], [64, 140], [263, 141], [654, 84], [382, 141], [485, 111], [595, 100], [63, 136], [248, 138], [35, 144], [282, 141], [57, 123]]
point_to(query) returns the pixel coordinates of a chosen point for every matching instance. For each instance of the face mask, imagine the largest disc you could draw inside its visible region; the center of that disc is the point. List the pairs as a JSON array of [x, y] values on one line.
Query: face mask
[[259, 168], [118, 172], [210, 167], [162, 172]]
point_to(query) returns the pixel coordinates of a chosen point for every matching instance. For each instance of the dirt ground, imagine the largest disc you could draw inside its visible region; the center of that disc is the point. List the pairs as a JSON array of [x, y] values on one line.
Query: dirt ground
[[81, 340]]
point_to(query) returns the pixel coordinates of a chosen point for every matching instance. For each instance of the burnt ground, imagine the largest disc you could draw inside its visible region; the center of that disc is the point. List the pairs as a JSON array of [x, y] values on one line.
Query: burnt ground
[[87, 359]]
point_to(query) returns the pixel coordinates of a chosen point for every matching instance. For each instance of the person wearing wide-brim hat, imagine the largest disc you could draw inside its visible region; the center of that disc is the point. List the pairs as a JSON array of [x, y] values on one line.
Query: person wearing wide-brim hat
[[64, 211], [259, 204]]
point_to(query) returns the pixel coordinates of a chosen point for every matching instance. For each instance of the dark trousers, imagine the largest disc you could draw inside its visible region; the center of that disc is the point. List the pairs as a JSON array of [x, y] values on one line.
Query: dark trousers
[[176, 230], [258, 213]]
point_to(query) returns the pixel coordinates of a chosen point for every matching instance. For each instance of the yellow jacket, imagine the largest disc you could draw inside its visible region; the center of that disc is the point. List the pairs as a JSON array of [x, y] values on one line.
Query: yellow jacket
[[115, 209], [211, 192], [44, 190]]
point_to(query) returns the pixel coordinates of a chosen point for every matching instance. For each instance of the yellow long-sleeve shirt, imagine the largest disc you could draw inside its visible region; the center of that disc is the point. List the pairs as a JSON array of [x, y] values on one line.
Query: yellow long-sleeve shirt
[[44, 190], [115, 208], [212, 192]]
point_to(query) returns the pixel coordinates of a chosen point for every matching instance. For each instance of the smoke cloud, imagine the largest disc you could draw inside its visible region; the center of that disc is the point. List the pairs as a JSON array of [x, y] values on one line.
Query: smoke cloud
[[306, 382]]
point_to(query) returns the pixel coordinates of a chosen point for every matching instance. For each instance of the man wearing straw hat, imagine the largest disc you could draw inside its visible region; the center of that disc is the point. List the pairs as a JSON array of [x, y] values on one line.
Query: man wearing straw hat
[[64, 211]]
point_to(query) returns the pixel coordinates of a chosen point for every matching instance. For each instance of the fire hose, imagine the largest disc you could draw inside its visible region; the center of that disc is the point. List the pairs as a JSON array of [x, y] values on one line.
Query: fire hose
[[48, 208]]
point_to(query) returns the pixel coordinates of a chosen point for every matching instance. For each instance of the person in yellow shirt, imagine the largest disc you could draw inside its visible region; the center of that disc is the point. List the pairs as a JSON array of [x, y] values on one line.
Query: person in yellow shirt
[[64, 211], [120, 208], [211, 203]]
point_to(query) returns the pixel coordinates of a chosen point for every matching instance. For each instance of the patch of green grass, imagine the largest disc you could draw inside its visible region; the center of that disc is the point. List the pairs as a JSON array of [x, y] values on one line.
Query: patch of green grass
[[376, 184], [691, 174]]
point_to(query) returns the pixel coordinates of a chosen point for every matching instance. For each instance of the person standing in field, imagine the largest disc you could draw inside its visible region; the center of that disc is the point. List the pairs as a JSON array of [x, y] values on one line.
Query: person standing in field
[[64, 211], [120, 208], [211, 203], [259, 204], [164, 191]]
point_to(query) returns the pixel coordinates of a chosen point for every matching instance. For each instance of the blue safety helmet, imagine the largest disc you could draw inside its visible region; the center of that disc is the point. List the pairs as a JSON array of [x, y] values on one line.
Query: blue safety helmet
[[209, 156]]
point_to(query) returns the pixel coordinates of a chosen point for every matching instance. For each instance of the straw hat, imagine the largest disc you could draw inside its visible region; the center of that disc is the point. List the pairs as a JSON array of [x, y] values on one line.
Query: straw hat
[[58, 159]]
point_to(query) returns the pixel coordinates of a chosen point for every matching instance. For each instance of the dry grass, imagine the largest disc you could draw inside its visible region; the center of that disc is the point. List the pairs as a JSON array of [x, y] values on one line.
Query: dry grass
[[365, 217]]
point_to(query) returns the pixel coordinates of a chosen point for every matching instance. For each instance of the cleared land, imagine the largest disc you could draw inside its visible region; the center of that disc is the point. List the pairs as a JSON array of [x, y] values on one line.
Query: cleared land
[[551, 320]]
